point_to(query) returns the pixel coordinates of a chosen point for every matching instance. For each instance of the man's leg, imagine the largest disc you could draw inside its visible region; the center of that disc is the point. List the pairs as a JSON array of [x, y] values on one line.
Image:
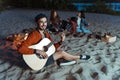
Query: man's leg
[[62, 54]]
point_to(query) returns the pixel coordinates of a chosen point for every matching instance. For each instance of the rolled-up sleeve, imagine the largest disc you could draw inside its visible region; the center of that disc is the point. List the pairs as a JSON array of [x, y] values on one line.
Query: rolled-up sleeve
[[33, 38]]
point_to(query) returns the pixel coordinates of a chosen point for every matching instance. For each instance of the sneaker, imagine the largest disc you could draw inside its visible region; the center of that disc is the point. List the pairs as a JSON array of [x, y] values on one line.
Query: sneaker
[[84, 57], [63, 62], [66, 63]]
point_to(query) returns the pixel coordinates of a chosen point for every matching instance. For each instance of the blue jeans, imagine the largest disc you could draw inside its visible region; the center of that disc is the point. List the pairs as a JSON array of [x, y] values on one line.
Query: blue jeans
[[82, 29]]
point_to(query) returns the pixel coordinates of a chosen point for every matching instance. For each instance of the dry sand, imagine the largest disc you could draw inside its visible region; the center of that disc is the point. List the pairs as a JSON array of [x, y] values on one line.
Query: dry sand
[[105, 57]]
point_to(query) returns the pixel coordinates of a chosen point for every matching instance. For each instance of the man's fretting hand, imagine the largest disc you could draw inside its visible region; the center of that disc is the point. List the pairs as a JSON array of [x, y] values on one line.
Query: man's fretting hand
[[62, 35]]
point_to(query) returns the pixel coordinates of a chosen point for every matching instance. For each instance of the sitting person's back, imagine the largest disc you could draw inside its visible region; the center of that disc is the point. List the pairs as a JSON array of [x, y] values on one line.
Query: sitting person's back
[[73, 23]]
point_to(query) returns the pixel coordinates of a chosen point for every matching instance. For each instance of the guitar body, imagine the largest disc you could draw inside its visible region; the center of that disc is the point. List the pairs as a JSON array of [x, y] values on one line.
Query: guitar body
[[33, 61]]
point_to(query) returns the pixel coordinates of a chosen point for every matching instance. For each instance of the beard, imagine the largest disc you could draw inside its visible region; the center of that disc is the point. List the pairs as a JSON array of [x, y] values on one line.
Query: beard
[[42, 27]]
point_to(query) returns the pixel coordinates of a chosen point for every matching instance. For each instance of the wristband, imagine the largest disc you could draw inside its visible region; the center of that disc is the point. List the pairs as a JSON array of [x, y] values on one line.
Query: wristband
[[35, 50]]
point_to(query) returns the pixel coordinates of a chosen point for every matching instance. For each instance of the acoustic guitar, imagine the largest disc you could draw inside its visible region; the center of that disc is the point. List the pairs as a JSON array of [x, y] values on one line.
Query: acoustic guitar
[[37, 62]]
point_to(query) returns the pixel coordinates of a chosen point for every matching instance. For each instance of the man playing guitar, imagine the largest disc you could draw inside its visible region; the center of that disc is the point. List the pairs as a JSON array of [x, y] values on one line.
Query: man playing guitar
[[36, 36]]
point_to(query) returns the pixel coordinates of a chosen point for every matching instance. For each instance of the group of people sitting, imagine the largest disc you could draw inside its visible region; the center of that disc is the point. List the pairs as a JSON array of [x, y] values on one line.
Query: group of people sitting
[[37, 36], [73, 24]]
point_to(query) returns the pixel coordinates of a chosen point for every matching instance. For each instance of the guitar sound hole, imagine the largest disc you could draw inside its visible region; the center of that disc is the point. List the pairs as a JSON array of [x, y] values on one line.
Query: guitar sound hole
[[45, 48]]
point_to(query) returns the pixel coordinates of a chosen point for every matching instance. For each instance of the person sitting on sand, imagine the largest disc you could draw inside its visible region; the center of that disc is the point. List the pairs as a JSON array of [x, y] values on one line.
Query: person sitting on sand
[[55, 21], [81, 23], [40, 33], [73, 24]]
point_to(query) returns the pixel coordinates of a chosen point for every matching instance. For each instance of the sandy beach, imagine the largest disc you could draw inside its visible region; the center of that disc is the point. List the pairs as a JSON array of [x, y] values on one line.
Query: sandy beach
[[105, 57]]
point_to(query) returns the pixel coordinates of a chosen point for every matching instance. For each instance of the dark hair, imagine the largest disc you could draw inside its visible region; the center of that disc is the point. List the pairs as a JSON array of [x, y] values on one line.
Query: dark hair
[[52, 15], [82, 14], [40, 16], [74, 19]]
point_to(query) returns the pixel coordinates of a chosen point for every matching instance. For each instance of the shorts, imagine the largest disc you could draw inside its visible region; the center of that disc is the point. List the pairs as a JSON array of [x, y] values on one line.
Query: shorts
[[50, 61]]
